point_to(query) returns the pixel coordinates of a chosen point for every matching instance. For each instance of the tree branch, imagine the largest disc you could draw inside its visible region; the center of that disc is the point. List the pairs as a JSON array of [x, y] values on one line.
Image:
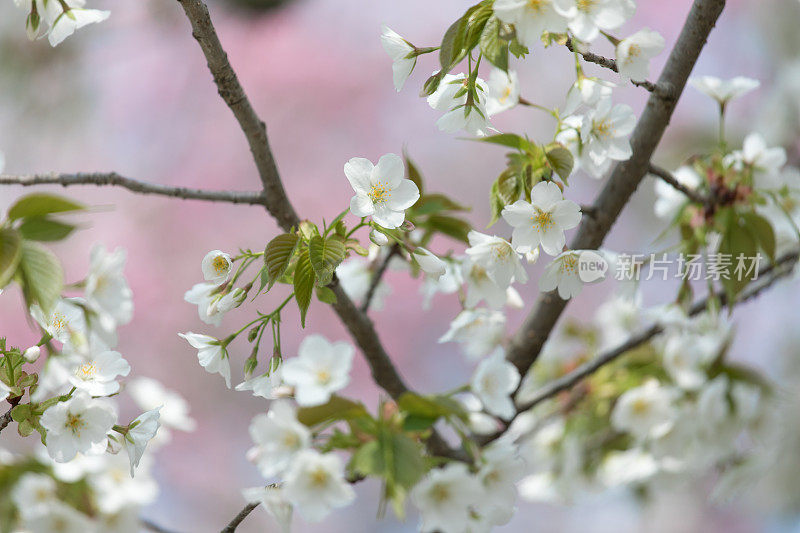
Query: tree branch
[[136, 186], [667, 177], [233, 524], [526, 345], [780, 269], [152, 526], [377, 276], [5, 419], [611, 65]]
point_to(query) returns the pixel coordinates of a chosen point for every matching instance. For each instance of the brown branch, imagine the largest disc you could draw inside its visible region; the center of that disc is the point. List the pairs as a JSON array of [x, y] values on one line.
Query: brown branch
[[5, 419], [667, 177], [233, 524], [152, 526], [526, 345], [278, 205], [136, 186], [611, 65], [377, 276], [780, 269]]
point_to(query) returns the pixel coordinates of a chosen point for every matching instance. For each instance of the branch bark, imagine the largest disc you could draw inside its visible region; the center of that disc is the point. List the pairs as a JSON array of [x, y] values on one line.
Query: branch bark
[[5, 419], [667, 177], [526, 345], [140, 187], [609, 64], [377, 276], [233, 524]]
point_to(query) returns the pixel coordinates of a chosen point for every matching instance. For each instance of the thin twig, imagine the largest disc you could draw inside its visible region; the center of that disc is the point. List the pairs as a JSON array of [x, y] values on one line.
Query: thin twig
[[233, 524], [611, 65], [378, 276], [5, 419], [136, 186], [152, 526], [667, 177], [626, 176]]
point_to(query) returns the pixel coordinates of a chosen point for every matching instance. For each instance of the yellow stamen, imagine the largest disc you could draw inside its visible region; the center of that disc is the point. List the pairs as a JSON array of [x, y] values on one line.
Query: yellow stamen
[[319, 478], [380, 192], [542, 220], [220, 264], [86, 371]]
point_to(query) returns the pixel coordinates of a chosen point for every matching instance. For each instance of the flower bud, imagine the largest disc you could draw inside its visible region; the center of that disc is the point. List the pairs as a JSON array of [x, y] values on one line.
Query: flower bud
[[429, 263], [378, 238], [32, 354]]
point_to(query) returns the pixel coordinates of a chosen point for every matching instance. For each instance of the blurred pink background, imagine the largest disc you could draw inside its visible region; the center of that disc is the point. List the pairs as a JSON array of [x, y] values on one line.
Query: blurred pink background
[[133, 95]]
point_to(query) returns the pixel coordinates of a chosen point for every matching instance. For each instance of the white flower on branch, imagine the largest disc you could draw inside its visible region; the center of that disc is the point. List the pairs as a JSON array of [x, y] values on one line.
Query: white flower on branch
[[634, 53], [669, 200], [501, 470], [140, 432], [400, 51], [605, 131], [497, 257], [588, 18], [480, 286], [278, 437], [33, 494], [494, 381], [563, 274], [447, 283], [586, 91], [149, 394], [627, 467], [764, 162], [274, 502], [216, 267], [444, 498], [59, 517], [320, 369], [478, 331], [213, 356], [543, 220], [66, 322], [355, 277], [429, 263], [63, 18], [98, 375], [75, 425], [107, 291], [268, 385], [315, 485], [382, 191], [723, 91], [530, 18], [503, 91], [114, 487], [459, 113], [646, 411]]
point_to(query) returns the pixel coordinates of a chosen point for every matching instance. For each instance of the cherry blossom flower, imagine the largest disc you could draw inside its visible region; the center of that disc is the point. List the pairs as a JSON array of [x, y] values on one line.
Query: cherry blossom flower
[[444, 498], [563, 274], [448, 283], [530, 18], [116, 490], [723, 91], [32, 354], [382, 191], [497, 257], [634, 54], [501, 470], [451, 98], [98, 375], [764, 162], [274, 502], [480, 286], [268, 385], [401, 52], [66, 322], [494, 381], [73, 426], [670, 200], [278, 437], [627, 467], [543, 220], [320, 369], [645, 411], [503, 91], [107, 291], [355, 276], [479, 331], [63, 18], [586, 18], [429, 263], [59, 517], [149, 394], [216, 266], [587, 91], [204, 296], [213, 356], [140, 432], [605, 132], [314, 484], [33, 494]]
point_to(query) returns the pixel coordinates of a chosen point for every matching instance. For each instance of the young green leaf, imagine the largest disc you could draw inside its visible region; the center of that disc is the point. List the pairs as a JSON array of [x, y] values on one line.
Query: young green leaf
[[42, 275], [10, 252], [325, 255], [40, 204], [303, 283], [278, 254], [44, 229], [493, 47], [326, 295], [337, 408], [560, 160]]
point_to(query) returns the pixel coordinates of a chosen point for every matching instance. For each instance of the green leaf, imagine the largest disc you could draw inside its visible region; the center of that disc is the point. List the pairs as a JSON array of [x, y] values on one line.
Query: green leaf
[[430, 406], [278, 254], [493, 47], [560, 160], [509, 140], [43, 278], [450, 226], [451, 51], [303, 283], [10, 253], [40, 204], [413, 172], [45, 229], [326, 295], [325, 255], [337, 408], [506, 189], [435, 203], [736, 241], [762, 232]]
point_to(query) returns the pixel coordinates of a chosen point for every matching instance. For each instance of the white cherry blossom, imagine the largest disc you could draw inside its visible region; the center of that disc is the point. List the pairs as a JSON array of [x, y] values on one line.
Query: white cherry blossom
[[315, 485], [645, 411], [216, 266], [429, 263], [278, 437], [764, 162], [494, 381], [140, 432], [211, 354], [203, 295], [149, 394], [563, 274], [274, 502], [588, 17], [320, 369], [98, 375], [75, 425], [268, 385], [4, 391], [503, 91], [587, 91], [451, 98], [497, 257], [444, 498], [107, 291], [543, 220], [355, 276], [531, 18], [605, 132], [723, 91], [634, 54], [399, 50], [447, 283], [670, 200], [60, 517], [480, 286], [32, 354], [116, 490], [627, 467], [479, 331], [501, 470], [33, 494], [382, 191]]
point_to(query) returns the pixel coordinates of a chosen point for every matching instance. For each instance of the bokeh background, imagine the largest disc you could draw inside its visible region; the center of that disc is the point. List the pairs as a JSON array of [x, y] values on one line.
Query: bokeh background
[[133, 95]]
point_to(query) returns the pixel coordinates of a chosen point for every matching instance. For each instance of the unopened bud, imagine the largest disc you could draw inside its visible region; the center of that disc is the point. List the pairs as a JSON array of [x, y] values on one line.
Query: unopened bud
[[250, 365], [378, 238], [32, 354]]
